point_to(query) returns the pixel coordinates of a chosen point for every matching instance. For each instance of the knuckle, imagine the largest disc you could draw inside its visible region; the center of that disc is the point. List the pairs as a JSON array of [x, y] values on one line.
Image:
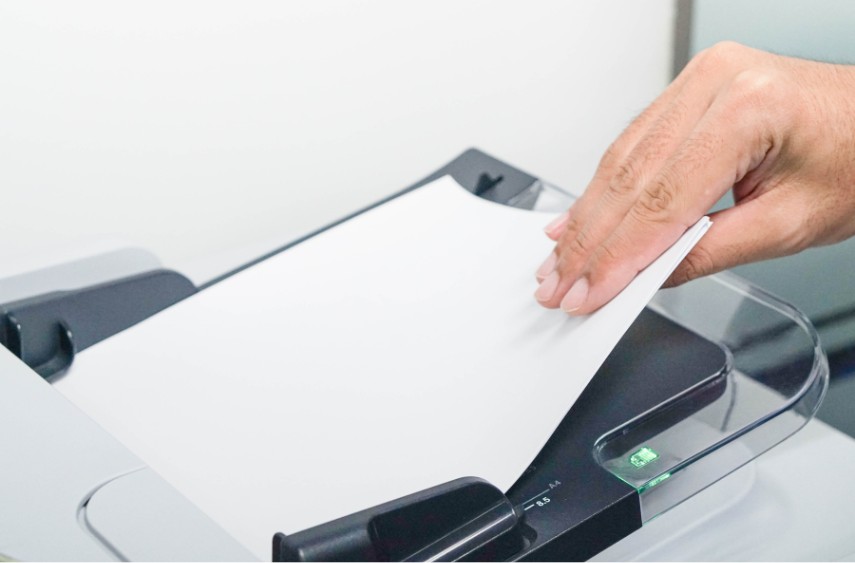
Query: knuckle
[[608, 255], [678, 277], [571, 229], [718, 56], [750, 82], [612, 260], [797, 236], [752, 89], [612, 254], [580, 245], [625, 179], [656, 203], [696, 264], [728, 49]]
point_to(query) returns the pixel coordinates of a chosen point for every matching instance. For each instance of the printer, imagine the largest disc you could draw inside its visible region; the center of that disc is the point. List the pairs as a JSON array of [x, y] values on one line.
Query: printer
[[634, 470]]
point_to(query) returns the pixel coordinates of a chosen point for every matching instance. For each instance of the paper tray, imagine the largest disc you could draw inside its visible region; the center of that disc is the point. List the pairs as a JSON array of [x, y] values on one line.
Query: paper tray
[[741, 372], [767, 380], [774, 381]]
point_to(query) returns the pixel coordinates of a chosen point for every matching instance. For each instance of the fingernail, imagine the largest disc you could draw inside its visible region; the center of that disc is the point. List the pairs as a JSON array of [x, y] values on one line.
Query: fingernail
[[576, 297], [547, 267], [557, 222], [547, 288]]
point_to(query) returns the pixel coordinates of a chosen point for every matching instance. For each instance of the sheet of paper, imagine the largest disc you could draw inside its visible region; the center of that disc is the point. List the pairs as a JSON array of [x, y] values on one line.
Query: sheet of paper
[[397, 351]]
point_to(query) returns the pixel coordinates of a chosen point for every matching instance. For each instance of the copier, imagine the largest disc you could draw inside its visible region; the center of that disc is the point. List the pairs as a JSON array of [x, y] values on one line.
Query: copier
[[741, 372]]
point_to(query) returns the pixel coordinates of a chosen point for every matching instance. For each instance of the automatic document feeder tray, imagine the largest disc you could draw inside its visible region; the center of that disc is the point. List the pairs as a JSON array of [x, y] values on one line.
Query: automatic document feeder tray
[[709, 376]]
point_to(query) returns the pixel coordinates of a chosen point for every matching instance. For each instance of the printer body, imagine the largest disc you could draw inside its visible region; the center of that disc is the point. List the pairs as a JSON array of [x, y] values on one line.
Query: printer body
[[736, 372]]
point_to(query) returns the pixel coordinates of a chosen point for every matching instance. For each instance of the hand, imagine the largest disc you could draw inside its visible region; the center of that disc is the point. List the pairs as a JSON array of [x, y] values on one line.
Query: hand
[[779, 131]]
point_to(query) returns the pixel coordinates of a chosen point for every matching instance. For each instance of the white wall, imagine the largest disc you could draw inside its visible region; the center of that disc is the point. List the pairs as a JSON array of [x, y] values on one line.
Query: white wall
[[200, 129]]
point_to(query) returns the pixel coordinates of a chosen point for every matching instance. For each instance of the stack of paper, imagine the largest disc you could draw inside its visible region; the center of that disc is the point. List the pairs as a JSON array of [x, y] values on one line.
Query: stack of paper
[[397, 351]]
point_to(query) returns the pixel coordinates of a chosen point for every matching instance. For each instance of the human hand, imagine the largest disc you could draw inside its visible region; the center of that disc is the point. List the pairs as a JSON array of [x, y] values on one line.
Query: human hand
[[779, 131]]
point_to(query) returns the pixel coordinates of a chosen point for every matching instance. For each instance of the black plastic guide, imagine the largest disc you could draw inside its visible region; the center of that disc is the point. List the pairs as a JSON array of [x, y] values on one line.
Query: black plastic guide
[[466, 519], [46, 331]]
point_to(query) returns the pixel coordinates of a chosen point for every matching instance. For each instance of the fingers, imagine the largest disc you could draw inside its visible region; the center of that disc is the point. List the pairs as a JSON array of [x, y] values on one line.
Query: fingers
[[663, 111], [680, 105], [547, 267], [627, 167], [555, 227], [716, 154], [581, 237]]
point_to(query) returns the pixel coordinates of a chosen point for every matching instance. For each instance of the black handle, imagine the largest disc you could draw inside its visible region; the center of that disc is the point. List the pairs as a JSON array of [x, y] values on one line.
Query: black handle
[[464, 519]]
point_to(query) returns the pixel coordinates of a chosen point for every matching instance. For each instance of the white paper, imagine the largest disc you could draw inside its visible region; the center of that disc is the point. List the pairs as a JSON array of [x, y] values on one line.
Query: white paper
[[397, 351]]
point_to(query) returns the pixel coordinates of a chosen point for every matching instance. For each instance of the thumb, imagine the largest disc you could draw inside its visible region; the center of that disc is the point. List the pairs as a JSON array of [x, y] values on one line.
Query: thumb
[[768, 226]]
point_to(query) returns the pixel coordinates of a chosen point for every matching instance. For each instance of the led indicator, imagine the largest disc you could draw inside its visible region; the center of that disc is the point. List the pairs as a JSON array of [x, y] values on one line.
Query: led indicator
[[656, 481], [643, 456]]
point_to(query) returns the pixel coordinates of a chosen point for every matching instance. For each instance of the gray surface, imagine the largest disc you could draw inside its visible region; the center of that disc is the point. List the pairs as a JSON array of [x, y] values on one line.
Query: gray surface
[[682, 35], [820, 282], [820, 29], [78, 273], [837, 406], [146, 521], [54, 458]]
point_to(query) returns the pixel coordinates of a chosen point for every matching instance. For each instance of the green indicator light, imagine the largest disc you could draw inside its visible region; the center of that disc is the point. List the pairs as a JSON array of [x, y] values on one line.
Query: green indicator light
[[643, 456], [656, 481]]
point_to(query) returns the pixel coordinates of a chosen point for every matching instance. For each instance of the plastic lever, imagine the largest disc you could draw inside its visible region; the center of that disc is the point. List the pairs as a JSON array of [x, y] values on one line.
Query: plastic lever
[[464, 519]]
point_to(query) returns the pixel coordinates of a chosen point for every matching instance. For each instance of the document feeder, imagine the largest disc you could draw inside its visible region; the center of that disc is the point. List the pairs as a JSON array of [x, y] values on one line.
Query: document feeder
[[710, 375]]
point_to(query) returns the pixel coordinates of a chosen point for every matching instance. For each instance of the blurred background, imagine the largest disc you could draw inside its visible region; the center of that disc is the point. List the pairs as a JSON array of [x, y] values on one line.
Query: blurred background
[[209, 133]]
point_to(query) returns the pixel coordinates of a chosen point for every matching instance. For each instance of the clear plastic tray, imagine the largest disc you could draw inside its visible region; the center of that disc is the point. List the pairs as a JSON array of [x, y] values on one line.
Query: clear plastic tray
[[772, 385]]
